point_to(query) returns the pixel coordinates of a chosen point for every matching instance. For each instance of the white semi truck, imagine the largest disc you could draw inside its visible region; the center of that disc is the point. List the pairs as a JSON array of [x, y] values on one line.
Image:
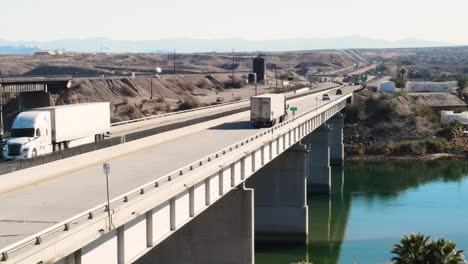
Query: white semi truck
[[266, 110], [44, 130]]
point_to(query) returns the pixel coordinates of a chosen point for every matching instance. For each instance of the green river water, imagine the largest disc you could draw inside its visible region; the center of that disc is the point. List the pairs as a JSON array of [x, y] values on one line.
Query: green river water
[[372, 205]]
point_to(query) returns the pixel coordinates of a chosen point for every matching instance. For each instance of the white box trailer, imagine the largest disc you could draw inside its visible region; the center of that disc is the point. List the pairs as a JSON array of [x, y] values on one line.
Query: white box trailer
[[44, 130], [76, 121], [267, 109]]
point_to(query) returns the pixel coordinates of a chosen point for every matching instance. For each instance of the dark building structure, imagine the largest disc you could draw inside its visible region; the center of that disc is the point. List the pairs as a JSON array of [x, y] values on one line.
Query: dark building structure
[[259, 67]]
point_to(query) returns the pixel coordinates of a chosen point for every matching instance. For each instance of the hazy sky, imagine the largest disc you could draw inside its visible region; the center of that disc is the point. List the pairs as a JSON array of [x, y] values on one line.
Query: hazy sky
[[437, 20]]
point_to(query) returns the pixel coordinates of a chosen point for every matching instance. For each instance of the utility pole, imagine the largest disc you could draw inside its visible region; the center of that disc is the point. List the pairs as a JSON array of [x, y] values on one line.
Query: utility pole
[[151, 97], [174, 63], [233, 65], [1, 110], [282, 84], [276, 78]]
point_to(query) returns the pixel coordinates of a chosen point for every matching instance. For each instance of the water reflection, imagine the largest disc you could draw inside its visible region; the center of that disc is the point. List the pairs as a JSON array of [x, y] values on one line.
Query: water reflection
[[372, 186]]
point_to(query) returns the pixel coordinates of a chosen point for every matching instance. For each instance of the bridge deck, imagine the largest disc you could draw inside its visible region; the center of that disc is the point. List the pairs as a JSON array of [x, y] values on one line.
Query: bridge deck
[[34, 208]]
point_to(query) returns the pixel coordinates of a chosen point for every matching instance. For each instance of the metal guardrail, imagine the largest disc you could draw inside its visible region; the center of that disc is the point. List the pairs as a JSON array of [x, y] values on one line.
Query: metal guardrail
[[174, 113], [199, 109], [65, 226]]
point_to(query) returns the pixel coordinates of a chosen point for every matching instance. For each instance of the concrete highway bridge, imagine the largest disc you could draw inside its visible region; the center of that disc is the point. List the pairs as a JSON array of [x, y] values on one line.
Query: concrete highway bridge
[[201, 193]]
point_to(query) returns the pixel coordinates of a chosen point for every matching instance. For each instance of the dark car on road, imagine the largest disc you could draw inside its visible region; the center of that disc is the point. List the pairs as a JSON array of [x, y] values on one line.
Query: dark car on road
[[339, 92]]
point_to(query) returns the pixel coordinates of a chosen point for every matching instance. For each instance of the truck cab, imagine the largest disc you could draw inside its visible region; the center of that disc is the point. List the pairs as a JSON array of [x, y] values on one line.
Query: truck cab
[[30, 136]]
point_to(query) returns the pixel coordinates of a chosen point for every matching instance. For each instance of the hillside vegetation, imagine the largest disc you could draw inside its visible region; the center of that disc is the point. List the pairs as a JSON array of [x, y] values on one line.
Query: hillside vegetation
[[397, 125]]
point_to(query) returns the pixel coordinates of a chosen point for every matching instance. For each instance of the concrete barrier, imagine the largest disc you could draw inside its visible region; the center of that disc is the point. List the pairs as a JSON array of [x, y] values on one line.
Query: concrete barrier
[[35, 173]]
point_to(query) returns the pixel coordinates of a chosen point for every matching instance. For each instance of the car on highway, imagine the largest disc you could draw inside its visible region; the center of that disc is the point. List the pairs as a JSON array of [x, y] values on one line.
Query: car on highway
[[339, 92], [219, 100], [325, 97]]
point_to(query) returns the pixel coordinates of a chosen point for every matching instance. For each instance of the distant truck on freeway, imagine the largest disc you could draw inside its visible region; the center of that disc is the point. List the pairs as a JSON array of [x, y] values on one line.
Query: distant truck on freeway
[[266, 110], [44, 130]]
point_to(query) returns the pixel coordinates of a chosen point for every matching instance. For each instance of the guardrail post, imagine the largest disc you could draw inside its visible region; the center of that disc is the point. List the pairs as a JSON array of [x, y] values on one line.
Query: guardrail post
[[149, 228], [208, 191], [121, 245], [221, 182]]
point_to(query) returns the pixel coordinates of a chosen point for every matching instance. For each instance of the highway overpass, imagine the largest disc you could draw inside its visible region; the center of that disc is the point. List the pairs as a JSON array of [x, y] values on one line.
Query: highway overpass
[[160, 183]]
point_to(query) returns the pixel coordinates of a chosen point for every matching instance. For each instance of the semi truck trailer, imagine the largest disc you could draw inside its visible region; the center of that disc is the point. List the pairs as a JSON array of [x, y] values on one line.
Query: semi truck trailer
[[266, 110], [44, 130]]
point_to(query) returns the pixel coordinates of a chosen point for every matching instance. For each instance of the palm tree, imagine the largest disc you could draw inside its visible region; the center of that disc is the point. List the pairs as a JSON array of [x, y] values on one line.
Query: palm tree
[[444, 252], [412, 249], [416, 248]]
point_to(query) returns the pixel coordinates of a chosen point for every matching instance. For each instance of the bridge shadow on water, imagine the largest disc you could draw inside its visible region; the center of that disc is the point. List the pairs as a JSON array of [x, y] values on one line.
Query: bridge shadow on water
[[234, 126], [366, 181]]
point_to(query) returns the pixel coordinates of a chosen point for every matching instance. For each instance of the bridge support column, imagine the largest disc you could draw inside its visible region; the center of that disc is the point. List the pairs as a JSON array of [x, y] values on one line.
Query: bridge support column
[[224, 233], [319, 171], [336, 140], [281, 210]]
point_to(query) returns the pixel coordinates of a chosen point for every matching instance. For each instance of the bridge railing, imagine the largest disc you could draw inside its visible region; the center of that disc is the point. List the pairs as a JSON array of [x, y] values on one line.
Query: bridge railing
[[11, 166], [65, 226], [185, 111]]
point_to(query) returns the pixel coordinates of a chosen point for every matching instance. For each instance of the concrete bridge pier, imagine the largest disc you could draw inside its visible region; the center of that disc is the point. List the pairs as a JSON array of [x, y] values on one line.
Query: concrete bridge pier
[[336, 140], [319, 171], [223, 234], [281, 212]]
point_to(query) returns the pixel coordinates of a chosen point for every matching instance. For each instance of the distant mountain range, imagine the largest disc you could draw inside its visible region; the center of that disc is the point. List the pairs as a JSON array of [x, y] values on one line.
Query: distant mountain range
[[188, 45], [17, 50]]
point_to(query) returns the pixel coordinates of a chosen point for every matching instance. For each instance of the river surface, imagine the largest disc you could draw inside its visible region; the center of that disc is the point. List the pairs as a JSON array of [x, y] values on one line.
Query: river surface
[[372, 205]]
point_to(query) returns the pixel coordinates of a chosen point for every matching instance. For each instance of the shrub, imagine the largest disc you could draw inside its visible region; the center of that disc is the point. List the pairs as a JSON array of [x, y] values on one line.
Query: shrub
[[203, 83], [354, 113], [384, 96], [167, 107], [384, 128], [399, 82], [125, 101], [451, 130], [380, 148], [234, 83], [436, 146], [402, 94], [361, 149], [406, 148], [379, 110], [160, 100], [186, 85], [188, 104], [412, 120], [426, 112]]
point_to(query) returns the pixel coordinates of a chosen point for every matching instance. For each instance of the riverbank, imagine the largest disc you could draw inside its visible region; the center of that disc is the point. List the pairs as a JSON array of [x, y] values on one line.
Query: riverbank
[[427, 157]]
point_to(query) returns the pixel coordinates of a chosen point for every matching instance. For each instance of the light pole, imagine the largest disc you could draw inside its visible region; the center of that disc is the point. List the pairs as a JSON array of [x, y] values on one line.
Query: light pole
[[106, 169], [1, 110], [158, 70]]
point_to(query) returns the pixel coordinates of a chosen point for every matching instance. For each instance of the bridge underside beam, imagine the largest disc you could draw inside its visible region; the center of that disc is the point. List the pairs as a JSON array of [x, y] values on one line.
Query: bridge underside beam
[[34, 100], [319, 171], [224, 233], [281, 210]]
